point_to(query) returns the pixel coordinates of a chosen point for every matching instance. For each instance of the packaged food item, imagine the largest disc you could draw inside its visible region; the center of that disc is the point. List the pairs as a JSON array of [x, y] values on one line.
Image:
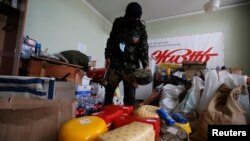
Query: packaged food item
[[135, 131], [86, 128], [179, 118], [165, 116]]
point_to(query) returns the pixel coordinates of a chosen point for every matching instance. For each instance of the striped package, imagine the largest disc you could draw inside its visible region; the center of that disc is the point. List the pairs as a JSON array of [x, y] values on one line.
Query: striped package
[[29, 87]]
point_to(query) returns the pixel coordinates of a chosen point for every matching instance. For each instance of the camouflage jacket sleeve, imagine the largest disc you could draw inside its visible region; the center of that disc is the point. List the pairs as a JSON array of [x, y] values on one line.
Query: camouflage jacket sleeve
[[143, 55], [111, 39]]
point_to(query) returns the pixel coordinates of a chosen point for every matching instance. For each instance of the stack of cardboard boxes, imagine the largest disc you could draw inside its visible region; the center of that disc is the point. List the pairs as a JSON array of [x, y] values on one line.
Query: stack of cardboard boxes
[[32, 119]]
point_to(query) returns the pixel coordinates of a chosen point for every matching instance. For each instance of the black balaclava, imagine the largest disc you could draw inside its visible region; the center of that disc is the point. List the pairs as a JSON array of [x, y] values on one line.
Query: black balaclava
[[133, 10]]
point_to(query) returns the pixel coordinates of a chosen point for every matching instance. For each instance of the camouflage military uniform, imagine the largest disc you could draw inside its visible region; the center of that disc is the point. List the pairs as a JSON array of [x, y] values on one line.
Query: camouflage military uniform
[[133, 53], [124, 62]]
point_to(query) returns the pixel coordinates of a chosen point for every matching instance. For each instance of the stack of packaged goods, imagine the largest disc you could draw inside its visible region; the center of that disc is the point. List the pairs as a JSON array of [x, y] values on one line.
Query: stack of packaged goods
[[86, 102]]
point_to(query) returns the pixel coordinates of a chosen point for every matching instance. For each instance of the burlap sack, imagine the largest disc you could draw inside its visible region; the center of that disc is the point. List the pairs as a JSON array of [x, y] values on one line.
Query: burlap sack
[[222, 109]]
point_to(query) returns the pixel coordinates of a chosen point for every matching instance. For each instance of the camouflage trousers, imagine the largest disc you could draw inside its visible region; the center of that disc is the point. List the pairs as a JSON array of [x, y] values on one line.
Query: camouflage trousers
[[113, 78]]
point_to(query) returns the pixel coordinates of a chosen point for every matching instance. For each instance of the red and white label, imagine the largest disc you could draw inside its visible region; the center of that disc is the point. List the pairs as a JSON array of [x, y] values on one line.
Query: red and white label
[[207, 48]]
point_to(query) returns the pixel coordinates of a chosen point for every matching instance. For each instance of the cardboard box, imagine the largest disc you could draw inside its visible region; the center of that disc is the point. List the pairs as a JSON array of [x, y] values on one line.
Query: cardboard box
[[65, 91], [23, 119], [194, 65]]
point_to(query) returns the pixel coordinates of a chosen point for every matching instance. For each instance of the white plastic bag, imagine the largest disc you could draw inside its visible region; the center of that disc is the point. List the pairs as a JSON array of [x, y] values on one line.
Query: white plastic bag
[[210, 87], [170, 96], [171, 91], [191, 100]]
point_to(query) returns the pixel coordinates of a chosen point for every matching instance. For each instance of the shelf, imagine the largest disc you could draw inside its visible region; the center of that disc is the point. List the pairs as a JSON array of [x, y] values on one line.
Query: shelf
[[7, 10], [13, 28], [55, 61]]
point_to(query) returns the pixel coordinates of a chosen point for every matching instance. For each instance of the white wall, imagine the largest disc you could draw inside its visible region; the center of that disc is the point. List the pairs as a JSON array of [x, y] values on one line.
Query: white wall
[[61, 24]]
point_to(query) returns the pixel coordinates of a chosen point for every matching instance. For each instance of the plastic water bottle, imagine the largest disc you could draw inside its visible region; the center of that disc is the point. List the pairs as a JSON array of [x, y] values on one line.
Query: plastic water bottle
[[37, 49]]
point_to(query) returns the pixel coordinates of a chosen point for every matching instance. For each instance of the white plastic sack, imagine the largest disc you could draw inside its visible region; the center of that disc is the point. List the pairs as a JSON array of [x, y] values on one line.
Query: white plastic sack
[[231, 80], [179, 74], [168, 103], [191, 100], [210, 87], [26, 51], [171, 91], [170, 96]]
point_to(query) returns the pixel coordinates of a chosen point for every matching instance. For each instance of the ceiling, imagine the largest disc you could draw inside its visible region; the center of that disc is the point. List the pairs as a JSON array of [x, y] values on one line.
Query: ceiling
[[154, 9]]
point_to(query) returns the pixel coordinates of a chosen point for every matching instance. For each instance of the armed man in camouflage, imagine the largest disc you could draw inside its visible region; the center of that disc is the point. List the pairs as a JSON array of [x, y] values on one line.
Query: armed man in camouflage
[[126, 49]]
